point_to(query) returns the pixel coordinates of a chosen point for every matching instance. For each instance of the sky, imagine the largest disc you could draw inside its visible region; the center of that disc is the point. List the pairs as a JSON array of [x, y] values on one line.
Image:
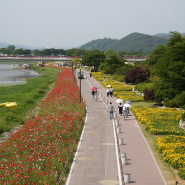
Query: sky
[[72, 23]]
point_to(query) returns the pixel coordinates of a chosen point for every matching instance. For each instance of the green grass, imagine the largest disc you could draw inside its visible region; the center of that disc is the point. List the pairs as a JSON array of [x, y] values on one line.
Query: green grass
[[27, 97]]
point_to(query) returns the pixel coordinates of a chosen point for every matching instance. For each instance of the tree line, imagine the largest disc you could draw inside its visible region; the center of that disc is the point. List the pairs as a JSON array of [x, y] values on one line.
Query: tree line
[[10, 50]]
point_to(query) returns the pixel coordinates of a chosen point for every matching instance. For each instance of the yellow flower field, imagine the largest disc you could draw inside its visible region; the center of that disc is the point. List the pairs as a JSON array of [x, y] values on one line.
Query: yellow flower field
[[121, 91], [159, 121]]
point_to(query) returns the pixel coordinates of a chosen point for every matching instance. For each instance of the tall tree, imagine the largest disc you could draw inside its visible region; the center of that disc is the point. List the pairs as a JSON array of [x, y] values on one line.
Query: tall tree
[[111, 64], [170, 67], [93, 58], [11, 48], [110, 53]]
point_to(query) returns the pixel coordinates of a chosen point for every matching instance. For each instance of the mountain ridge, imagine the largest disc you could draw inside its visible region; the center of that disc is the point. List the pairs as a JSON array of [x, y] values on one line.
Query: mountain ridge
[[134, 42]]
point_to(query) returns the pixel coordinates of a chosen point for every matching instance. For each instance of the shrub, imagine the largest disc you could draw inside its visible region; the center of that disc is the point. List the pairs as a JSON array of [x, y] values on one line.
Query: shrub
[[180, 99], [119, 78], [137, 75], [183, 117], [183, 107], [140, 87], [148, 95], [170, 103], [181, 173]]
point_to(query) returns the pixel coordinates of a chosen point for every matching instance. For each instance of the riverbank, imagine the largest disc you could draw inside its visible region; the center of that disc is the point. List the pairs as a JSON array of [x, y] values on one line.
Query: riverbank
[[27, 97]]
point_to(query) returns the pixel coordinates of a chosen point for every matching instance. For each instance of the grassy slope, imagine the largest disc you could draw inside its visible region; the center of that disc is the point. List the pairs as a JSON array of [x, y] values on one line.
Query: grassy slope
[[26, 96]]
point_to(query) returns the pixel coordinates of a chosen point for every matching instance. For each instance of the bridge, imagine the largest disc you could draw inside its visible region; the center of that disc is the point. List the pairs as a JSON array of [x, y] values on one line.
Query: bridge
[[58, 58]]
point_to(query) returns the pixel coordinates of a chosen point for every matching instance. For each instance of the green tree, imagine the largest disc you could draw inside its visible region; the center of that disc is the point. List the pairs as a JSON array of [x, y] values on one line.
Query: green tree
[[170, 67], [5, 51], [111, 64], [110, 53], [124, 69], [93, 58], [11, 48], [75, 52]]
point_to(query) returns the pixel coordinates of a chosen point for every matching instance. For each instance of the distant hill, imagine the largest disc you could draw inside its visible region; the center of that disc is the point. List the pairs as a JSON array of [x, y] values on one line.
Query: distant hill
[[164, 35], [100, 44], [137, 42], [134, 42]]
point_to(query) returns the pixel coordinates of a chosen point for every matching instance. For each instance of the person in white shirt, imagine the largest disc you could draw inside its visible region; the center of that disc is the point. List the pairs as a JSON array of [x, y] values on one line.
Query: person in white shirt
[[108, 92], [125, 112]]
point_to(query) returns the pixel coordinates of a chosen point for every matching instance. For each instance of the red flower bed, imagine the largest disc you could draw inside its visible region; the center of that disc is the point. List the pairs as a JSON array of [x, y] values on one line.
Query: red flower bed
[[37, 151]]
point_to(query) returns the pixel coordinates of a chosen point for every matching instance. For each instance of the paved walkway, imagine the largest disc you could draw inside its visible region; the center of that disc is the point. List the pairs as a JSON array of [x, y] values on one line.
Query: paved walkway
[[97, 162]]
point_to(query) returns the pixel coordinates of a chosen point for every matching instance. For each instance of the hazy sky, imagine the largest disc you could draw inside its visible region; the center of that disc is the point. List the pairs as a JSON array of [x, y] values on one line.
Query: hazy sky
[[71, 23]]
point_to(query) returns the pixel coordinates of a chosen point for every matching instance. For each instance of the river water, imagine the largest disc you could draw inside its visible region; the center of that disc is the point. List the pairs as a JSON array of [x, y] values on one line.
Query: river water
[[8, 75]]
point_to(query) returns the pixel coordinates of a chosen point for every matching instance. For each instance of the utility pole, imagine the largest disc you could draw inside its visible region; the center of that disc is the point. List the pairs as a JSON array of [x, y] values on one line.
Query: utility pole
[[80, 85], [72, 67]]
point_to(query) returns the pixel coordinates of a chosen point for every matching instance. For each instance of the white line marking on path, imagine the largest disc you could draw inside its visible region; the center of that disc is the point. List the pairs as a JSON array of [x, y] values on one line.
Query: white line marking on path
[[72, 166]]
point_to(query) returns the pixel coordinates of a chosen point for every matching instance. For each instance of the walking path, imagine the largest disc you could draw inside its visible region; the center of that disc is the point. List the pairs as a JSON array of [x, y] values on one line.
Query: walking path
[[97, 161]]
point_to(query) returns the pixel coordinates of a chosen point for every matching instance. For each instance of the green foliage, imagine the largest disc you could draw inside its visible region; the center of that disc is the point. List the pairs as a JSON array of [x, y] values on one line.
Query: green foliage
[[124, 69], [170, 67], [181, 173], [22, 51], [140, 87], [183, 117], [49, 52], [170, 103], [134, 42], [11, 48], [76, 52], [93, 58], [131, 54], [111, 64], [110, 53], [180, 99], [100, 44], [119, 78], [5, 51]]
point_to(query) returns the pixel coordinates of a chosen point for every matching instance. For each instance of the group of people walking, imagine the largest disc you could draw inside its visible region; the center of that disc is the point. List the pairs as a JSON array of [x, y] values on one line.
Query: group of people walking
[[109, 92], [122, 110], [94, 95]]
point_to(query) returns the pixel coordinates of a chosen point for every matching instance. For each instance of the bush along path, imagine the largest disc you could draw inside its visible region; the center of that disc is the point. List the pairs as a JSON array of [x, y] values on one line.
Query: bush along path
[[37, 153]]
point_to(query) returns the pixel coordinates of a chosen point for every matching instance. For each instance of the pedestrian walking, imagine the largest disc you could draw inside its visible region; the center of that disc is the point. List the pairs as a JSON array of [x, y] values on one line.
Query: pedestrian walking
[[92, 92], [96, 95], [108, 92], [110, 110], [127, 109], [111, 91], [120, 106], [125, 112]]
